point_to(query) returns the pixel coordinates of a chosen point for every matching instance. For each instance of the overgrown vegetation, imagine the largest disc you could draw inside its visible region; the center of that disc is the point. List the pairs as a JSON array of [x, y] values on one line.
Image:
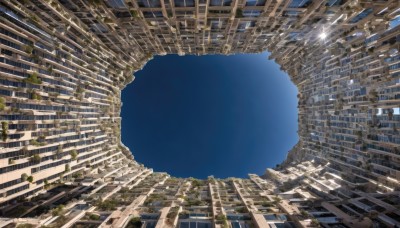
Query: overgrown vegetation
[[107, 205], [33, 79], [221, 219], [74, 154], [135, 222], [2, 104], [239, 13], [30, 179], [4, 130], [24, 177], [35, 158], [59, 210]]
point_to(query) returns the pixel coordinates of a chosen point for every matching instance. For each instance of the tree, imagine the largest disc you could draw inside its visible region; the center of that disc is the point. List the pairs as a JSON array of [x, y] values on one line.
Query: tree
[[4, 130], [134, 14], [36, 96], [2, 104], [28, 49], [373, 96], [35, 158], [135, 222], [73, 154], [30, 179], [221, 219], [95, 2], [94, 217], [314, 222], [24, 177], [33, 79], [277, 200], [239, 13], [58, 210], [241, 210]]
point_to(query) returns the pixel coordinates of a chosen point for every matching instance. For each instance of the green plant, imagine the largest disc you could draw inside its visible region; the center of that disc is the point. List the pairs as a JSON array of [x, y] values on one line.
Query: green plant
[[46, 184], [35, 158], [241, 210], [4, 130], [267, 204], [34, 142], [94, 217], [50, 69], [33, 79], [108, 20], [28, 49], [107, 205], [373, 96], [73, 154], [34, 18], [24, 177], [67, 168], [221, 219], [95, 2], [36, 96], [277, 200], [314, 222], [134, 14], [304, 213], [58, 210], [30, 179], [77, 175], [2, 104], [135, 223], [173, 212], [79, 89], [239, 13], [196, 183]]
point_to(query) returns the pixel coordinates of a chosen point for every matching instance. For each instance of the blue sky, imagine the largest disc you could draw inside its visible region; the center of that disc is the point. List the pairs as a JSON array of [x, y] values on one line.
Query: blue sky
[[196, 116]]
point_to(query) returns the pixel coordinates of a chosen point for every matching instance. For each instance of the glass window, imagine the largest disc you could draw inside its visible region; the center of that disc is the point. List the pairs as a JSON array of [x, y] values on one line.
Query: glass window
[[220, 2], [244, 25], [117, 4], [251, 13], [299, 3], [153, 14], [149, 3], [184, 3], [361, 16], [334, 3], [255, 2], [394, 23], [215, 25]]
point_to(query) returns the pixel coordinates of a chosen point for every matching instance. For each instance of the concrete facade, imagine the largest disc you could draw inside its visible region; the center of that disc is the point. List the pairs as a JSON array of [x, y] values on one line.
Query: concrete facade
[[63, 64]]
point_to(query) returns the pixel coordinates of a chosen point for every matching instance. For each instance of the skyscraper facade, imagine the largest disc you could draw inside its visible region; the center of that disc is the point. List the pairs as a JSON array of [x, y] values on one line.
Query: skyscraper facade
[[63, 64]]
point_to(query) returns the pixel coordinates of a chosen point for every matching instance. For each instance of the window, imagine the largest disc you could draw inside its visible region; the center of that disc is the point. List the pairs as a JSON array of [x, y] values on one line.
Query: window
[[251, 13], [292, 13], [334, 3], [184, 3], [394, 23], [116, 4], [361, 16], [220, 2], [153, 14], [245, 25], [149, 3], [299, 3], [217, 24], [97, 27], [255, 2]]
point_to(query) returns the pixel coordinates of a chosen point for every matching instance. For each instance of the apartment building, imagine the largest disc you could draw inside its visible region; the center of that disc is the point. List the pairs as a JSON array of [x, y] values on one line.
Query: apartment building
[[63, 64]]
